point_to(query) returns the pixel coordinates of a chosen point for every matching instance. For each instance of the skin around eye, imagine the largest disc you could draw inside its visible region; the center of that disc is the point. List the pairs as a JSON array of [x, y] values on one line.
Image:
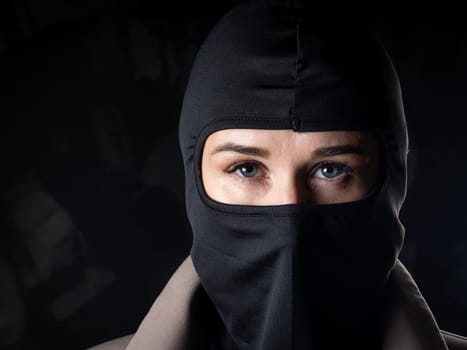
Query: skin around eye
[[339, 182], [326, 180]]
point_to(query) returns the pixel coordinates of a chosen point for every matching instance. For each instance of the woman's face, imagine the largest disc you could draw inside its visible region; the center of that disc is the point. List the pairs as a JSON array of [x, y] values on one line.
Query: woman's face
[[275, 167]]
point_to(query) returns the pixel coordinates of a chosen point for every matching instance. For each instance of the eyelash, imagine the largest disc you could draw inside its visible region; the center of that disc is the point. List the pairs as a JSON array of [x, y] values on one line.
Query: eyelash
[[342, 168], [346, 171]]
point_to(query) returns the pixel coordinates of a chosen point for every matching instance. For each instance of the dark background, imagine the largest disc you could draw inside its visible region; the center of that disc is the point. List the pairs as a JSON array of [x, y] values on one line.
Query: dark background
[[93, 220]]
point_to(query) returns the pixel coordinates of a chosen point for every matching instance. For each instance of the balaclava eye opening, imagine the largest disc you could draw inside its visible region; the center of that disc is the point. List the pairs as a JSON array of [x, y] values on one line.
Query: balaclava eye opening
[[291, 276], [377, 155]]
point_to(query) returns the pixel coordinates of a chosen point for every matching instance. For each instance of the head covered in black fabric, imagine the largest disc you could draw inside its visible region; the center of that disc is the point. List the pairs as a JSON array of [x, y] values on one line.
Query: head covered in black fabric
[[288, 276]]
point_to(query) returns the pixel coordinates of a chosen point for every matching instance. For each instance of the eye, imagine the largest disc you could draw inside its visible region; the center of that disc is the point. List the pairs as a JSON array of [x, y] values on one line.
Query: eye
[[247, 169], [332, 170]]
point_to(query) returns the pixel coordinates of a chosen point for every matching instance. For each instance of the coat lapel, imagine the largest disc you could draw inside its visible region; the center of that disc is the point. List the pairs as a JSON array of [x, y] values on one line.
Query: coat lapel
[[410, 322]]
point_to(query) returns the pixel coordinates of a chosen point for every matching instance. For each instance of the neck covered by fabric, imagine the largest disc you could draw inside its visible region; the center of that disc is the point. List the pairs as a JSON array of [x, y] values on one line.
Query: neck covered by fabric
[[294, 276]]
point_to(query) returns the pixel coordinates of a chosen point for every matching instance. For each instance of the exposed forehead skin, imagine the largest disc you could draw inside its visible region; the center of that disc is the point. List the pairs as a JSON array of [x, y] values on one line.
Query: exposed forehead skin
[[260, 136], [270, 143], [289, 146]]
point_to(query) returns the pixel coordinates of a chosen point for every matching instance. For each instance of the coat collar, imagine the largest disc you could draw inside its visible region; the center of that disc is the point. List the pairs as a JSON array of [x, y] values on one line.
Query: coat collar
[[410, 324]]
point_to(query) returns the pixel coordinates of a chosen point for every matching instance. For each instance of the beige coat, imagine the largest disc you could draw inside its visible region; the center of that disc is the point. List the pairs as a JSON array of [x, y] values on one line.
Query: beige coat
[[411, 325]]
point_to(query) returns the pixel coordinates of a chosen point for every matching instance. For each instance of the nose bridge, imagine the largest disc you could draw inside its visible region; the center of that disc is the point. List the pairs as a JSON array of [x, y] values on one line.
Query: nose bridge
[[294, 188]]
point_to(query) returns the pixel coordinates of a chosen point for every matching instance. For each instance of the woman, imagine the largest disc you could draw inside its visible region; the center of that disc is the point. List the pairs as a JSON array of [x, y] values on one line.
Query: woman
[[295, 142]]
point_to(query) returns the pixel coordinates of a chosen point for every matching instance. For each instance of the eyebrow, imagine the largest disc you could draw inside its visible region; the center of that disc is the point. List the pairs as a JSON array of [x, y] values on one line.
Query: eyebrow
[[338, 150], [247, 150], [320, 152]]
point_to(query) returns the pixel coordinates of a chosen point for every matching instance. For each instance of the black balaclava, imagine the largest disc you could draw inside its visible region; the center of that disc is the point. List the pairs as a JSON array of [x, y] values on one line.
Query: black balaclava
[[297, 276]]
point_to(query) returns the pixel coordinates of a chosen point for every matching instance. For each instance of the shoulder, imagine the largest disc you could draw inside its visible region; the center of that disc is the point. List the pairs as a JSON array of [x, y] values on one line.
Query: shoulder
[[168, 324], [115, 344], [454, 341]]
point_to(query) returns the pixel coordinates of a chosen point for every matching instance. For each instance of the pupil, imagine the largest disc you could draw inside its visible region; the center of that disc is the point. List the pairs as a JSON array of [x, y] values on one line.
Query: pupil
[[329, 171], [248, 170]]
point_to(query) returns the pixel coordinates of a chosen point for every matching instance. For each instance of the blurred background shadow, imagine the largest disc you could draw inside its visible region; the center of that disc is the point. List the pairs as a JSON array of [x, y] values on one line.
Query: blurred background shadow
[[93, 219]]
